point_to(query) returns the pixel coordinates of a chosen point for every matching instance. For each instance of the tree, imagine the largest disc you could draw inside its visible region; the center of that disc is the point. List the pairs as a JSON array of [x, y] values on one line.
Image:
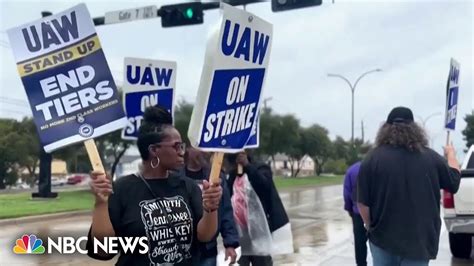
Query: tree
[[278, 134], [338, 167], [28, 148], [182, 117], [269, 126], [316, 143], [111, 149], [288, 139], [114, 147], [468, 132], [340, 148], [76, 158], [9, 140]]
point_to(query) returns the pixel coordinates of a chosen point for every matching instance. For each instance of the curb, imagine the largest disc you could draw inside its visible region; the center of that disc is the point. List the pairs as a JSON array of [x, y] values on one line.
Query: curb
[[305, 187], [63, 215], [43, 217]]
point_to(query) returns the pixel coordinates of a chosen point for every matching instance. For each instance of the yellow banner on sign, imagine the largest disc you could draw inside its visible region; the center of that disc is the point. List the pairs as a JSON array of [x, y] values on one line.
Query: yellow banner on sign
[[60, 57]]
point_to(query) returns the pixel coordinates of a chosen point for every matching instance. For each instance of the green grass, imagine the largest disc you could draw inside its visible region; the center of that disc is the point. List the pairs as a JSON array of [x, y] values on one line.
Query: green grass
[[309, 181], [19, 205]]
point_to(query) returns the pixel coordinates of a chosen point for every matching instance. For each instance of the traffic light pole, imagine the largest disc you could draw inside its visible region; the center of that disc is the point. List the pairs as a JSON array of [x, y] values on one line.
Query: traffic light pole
[[99, 21]]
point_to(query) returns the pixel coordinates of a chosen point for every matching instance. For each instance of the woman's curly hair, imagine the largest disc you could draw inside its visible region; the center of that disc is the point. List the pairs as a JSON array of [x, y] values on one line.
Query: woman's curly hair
[[407, 135]]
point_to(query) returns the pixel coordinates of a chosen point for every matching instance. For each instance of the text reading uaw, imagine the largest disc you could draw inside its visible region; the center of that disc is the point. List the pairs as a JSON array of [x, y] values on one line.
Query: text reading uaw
[[146, 76], [245, 45]]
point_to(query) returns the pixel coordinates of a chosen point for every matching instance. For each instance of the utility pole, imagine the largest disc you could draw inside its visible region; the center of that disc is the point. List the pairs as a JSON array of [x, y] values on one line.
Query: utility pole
[[265, 102]]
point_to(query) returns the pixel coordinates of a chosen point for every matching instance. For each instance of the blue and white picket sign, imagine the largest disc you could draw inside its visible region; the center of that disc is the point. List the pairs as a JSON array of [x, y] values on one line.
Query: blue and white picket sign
[[452, 93], [254, 139], [69, 86], [146, 83], [229, 95]]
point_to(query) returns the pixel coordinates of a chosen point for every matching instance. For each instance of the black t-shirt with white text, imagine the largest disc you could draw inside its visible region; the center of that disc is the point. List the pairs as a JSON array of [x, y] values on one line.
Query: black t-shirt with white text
[[169, 222]]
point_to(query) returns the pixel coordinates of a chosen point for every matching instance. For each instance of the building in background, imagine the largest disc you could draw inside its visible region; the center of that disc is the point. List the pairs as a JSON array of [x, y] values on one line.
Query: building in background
[[282, 165]]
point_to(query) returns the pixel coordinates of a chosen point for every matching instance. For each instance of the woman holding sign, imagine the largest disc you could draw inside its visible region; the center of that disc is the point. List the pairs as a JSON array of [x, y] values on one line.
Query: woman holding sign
[[169, 210]]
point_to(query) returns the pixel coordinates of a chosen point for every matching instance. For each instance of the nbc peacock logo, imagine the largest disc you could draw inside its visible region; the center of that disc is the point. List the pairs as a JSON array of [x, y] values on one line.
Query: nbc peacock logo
[[29, 244]]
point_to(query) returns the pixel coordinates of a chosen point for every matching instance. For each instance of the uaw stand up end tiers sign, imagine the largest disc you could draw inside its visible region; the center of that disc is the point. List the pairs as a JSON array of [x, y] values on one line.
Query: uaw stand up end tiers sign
[[225, 116], [69, 86]]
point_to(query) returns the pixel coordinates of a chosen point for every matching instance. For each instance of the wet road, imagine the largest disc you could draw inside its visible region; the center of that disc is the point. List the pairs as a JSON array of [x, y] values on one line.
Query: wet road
[[322, 234], [322, 231]]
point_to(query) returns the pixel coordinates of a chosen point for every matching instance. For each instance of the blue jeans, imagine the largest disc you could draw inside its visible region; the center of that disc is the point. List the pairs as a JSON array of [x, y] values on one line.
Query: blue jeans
[[384, 258], [211, 261]]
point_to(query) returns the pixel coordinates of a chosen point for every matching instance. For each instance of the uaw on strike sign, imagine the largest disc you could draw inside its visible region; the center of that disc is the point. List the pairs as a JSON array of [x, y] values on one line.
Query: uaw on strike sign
[[225, 116], [146, 83], [66, 77], [452, 94]]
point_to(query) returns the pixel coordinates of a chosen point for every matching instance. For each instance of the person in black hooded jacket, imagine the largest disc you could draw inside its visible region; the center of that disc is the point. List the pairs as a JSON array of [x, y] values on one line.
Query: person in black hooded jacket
[[197, 167], [261, 179]]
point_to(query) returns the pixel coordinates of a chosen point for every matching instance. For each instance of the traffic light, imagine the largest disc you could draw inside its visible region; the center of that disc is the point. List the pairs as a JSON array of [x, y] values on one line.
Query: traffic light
[[181, 14], [283, 5]]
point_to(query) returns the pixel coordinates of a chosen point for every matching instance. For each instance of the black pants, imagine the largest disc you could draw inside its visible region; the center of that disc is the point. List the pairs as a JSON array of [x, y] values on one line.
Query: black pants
[[360, 239], [256, 260]]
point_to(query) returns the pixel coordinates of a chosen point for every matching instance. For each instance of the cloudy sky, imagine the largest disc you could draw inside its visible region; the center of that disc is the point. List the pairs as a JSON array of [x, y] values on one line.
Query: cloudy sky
[[412, 41]]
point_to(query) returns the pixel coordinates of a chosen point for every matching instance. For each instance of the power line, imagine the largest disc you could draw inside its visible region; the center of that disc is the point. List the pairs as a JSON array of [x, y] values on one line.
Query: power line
[[15, 112], [15, 104], [14, 101], [4, 44]]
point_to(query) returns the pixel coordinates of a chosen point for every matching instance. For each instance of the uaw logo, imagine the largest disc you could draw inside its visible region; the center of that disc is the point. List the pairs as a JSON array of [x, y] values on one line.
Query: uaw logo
[[85, 130]]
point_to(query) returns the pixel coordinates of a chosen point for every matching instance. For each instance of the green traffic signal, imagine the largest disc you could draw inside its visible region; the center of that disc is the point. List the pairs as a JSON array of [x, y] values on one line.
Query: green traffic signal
[[181, 14], [189, 13]]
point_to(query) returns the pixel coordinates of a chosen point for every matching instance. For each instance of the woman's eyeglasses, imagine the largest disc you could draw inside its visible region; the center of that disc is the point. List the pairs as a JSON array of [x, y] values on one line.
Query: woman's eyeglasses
[[178, 146]]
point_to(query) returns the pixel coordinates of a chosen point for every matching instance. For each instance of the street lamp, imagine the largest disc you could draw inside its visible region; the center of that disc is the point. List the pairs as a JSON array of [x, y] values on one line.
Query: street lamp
[[353, 87], [265, 102], [423, 123]]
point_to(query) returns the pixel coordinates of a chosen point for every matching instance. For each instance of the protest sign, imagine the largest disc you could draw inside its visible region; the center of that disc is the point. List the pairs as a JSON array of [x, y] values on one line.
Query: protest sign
[[146, 83], [229, 95], [69, 86], [452, 92], [227, 104]]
